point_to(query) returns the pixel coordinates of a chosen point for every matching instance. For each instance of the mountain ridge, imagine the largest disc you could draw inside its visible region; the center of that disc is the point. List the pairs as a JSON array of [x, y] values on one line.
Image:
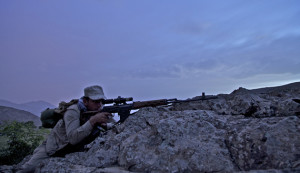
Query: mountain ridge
[[293, 85], [34, 107], [12, 114]]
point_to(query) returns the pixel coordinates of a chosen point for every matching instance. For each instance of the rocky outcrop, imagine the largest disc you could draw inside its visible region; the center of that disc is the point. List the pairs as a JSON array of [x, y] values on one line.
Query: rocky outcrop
[[251, 103], [244, 131]]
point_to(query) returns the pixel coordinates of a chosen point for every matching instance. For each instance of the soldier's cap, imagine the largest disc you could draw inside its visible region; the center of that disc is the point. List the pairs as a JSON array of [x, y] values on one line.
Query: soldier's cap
[[94, 92]]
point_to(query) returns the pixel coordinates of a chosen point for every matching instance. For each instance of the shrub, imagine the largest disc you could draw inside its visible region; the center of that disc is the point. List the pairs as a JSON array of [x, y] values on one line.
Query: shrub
[[23, 138]]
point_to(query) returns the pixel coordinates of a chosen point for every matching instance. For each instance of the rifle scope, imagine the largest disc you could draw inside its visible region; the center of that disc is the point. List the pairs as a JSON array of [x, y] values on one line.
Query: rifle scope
[[118, 100]]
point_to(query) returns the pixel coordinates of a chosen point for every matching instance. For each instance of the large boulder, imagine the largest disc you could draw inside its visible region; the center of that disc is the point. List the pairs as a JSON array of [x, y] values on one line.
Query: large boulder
[[160, 140]]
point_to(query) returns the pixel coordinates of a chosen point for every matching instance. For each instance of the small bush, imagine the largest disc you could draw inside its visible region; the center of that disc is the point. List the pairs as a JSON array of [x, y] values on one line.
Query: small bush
[[23, 138]]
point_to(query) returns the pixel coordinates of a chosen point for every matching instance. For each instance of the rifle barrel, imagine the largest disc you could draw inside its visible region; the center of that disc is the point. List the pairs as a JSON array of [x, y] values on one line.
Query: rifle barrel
[[151, 103], [197, 99]]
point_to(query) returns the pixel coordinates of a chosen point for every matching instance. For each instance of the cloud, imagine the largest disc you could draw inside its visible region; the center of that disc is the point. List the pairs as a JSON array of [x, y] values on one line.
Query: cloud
[[136, 46]]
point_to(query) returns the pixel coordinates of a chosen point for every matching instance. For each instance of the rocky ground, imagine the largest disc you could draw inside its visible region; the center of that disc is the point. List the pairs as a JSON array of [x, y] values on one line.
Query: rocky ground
[[245, 131]]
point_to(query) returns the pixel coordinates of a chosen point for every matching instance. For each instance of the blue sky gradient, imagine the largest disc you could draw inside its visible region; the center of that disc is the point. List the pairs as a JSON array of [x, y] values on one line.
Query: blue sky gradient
[[51, 50]]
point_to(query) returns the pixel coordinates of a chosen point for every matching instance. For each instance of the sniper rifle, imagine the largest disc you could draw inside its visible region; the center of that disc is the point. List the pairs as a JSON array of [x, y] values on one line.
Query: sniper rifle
[[123, 108]]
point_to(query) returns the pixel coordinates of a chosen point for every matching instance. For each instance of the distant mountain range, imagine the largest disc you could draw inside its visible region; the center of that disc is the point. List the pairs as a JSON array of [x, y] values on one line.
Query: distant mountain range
[[35, 107], [11, 114]]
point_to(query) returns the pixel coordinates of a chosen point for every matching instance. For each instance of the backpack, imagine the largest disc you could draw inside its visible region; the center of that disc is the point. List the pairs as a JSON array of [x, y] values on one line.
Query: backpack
[[50, 117]]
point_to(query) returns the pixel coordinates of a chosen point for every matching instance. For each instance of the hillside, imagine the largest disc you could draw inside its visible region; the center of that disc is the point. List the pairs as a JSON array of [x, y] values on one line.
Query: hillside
[[10, 114], [35, 107], [243, 131], [291, 86]]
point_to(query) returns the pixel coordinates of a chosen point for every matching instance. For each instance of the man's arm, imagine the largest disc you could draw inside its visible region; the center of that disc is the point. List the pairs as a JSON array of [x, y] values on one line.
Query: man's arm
[[75, 132]]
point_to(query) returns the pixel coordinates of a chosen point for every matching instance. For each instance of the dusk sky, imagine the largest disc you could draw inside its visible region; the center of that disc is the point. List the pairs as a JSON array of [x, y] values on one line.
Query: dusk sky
[[146, 49]]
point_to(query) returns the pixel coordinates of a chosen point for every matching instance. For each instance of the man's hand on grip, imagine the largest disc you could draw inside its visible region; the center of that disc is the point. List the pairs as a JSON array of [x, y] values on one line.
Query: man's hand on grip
[[100, 118]]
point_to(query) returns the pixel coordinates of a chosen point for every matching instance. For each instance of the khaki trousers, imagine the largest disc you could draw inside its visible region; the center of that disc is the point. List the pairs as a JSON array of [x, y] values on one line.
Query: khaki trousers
[[38, 156]]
